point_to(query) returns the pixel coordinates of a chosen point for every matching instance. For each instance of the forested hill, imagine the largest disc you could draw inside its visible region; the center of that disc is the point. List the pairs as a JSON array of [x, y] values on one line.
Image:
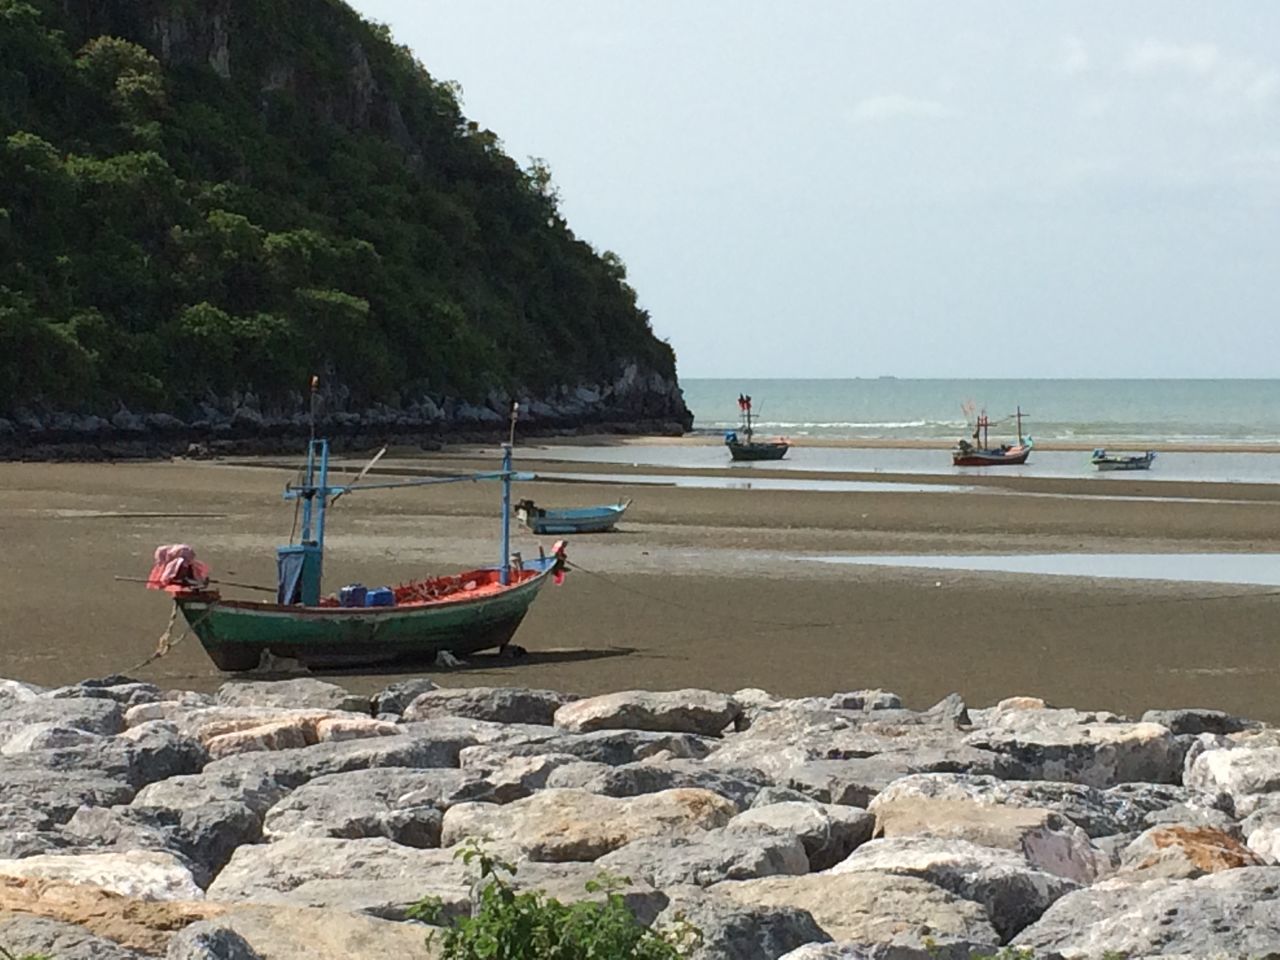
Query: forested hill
[[203, 202]]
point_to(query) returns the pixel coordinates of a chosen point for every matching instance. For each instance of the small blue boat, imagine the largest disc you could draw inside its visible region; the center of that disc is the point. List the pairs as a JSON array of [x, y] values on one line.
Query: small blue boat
[[573, 520]]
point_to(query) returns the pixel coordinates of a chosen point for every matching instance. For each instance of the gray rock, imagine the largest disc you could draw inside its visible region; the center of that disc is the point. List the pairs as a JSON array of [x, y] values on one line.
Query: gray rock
[[567, 882], [828, 833], [1080, 748], [774, 794], [706, 859], [210, 940], [122, 690], [292, 768], [281, 932], [1127, 808], [396, 697], [1013, 892], [142, 874], [161, 751], [292, 694], [1048, 840], [15, 691], [1195, 721], [205, 836], [614, 747], [47, 736], [633, 779], [856, 781], [873, 909], [402, 804], [517, 777], [732, 931], [1245, 773], [702, 712], [495, 704], [95, 715], [371, 875], [563, 824], [1233, 914], [865, 700], [255, 788], [23, 934]]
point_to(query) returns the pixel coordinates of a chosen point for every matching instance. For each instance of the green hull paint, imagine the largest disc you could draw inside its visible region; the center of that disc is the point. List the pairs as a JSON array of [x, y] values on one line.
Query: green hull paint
[[235, 634]]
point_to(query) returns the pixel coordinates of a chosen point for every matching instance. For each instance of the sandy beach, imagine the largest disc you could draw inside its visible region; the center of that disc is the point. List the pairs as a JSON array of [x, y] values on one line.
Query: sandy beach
[[712, 588]]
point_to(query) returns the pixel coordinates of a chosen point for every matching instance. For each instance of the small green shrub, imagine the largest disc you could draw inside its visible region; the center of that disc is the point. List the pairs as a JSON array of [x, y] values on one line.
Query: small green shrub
[[506, 925]]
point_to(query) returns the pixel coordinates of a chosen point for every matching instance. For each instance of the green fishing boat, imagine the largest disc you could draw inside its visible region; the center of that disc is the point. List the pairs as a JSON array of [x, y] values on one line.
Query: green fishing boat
[[415, 621]]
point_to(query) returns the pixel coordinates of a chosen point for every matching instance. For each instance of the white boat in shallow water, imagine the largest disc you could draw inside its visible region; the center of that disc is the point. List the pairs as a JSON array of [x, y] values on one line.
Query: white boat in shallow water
[[1122, 461]]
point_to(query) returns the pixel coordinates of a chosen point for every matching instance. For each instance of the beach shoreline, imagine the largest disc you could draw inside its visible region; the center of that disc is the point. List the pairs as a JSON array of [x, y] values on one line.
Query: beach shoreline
[[705, 586]]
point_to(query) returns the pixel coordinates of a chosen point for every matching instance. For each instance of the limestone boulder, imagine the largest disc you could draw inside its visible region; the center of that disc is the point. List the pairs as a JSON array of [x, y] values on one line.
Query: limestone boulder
[[865, 700], [93, 715], [297, 693], [256, 789], [371, 875], [1048, 841], [857, 781], [1082, 748], [210, 940], [47, 736], [1127, 808], [496, 704], [566, 824], [282, 932], [512, 778], [400, 803], [707, 858], [1235, 913], [828, 833], [204, 836], [1185, 852], [396, 697], [613, 747], [145, 874], [1012, 891], [702, 712], [728, 930], [1247, 774], [1195, 721], [650, 776], [123, 690], [25, 935], [873, 909]]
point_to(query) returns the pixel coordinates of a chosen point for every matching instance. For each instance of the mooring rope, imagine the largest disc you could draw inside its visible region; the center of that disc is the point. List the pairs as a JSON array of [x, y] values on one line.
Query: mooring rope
[[167, 641]]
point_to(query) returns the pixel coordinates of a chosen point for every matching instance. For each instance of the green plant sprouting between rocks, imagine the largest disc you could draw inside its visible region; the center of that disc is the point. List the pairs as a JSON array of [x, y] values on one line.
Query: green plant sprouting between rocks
[[528, 925]]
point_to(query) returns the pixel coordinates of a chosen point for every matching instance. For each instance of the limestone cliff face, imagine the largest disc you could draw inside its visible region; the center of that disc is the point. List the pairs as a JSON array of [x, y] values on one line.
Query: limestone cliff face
[[343, 79]]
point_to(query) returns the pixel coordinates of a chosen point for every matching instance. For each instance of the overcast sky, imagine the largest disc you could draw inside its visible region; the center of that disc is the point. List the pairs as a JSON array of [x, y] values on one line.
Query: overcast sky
[[831, 189]]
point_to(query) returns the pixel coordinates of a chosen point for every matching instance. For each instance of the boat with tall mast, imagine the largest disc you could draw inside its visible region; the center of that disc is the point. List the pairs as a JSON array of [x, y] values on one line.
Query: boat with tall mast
[[747, 447], [462, 613], [980, 453]]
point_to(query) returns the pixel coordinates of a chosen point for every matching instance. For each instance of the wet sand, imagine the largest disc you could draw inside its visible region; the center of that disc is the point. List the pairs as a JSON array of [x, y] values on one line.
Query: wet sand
[[698, 588]]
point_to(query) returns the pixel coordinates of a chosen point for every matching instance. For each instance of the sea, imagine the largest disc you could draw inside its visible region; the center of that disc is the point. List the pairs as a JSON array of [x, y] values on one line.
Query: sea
[[1095, 412]]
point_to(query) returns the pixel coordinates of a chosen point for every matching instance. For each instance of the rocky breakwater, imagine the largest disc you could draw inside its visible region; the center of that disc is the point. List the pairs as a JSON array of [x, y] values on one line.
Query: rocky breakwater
[[635, 401], [292, 819]]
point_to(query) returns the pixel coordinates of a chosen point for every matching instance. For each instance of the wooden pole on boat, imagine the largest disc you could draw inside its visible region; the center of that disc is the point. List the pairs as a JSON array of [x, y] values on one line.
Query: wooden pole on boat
[[504, 569]]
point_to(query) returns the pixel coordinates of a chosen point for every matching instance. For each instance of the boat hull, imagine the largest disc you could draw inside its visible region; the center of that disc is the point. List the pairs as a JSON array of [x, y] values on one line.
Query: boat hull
[[236, 634], [991, 458], [758, 451], [1106, 466], [585, 520]]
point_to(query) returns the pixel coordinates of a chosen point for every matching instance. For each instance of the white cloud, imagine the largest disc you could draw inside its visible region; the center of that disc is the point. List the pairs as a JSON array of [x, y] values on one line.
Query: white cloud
[[897, 106], [1219, 84], [1154, 56], [1073, 58]]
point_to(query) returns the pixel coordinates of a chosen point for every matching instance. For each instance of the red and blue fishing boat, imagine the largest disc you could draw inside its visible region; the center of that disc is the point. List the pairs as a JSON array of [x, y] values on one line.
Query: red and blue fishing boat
[[747, 447], [460, 614], [980, 453]]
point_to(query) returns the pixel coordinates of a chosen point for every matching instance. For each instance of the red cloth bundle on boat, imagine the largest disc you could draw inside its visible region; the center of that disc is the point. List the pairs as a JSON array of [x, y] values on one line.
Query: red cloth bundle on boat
[[176, 569]]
